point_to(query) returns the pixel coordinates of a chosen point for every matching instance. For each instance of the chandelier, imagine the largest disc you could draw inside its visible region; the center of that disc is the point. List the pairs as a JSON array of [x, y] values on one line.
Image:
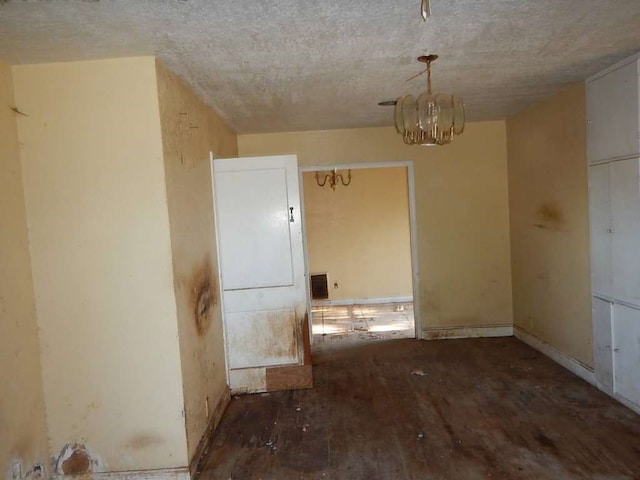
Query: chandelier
[[429, 119], [334, 179]]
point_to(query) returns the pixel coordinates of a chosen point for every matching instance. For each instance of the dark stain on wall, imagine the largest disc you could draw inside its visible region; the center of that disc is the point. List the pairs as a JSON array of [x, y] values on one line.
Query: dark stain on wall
[[144, 440], [549, 216], [204, 296], [77, 463]]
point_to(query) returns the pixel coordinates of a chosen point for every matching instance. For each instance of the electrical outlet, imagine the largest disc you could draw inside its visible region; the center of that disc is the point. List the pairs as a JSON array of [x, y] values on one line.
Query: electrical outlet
[[335, 285]]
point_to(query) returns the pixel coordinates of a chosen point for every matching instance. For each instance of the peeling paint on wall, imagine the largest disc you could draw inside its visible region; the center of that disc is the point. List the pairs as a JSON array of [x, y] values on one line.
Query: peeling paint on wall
[[204, 295], [77, 459]]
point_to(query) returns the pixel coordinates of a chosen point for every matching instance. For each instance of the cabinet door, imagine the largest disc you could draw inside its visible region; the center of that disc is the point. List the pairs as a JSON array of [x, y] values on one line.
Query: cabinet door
[[612, 114], [601, 228], [602, 344], [624, 188], [626, 352]]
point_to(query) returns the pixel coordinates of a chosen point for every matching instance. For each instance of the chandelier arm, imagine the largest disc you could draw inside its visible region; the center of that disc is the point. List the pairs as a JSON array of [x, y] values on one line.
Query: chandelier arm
[[324, 182], [348, 177]]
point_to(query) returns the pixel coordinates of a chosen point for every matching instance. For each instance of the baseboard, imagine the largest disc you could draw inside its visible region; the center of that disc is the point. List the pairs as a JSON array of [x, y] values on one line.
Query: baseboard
[[447, 333], [181, 473], [205, 442], [361, 301], [574, 365]]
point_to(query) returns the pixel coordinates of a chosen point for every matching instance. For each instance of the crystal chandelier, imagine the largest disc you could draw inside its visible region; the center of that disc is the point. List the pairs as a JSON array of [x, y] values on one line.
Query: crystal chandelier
[[429, 119]]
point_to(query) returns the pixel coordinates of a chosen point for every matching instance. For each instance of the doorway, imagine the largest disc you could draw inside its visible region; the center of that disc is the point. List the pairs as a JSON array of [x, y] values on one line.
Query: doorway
[[360, 252]]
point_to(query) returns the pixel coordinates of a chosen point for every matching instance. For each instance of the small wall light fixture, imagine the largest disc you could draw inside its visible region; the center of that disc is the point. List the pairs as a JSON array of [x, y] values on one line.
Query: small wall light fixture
[[334, 178]]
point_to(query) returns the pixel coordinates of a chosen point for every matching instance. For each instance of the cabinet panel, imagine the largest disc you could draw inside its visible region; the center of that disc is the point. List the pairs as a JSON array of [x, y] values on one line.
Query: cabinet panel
[[624, 189], [626, 352], [602, 344], [612, 114], [601, 228]]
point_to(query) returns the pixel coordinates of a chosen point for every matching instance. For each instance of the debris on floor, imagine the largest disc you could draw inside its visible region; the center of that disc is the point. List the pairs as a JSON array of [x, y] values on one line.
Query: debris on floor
[[419, 372]]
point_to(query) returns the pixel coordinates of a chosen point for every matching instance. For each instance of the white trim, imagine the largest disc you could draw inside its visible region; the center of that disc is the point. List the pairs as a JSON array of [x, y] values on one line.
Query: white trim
[[354, 166], [413, 228], [361, 301], [413, 240], [630, 405], [631, 156], [305, 254], [449, 333], [615, 66], [614, 301], [180, 473], [220, 288], [574, 365]]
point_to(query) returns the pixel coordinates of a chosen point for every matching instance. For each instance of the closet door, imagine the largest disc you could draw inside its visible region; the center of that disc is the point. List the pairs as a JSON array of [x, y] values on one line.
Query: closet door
[[624, 188], [603, 344], [612, 114], [626, 353], [601, 230]]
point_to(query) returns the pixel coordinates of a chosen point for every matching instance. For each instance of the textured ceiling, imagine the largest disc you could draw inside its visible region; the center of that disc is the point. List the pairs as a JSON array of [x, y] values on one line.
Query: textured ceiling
[[281, 65]]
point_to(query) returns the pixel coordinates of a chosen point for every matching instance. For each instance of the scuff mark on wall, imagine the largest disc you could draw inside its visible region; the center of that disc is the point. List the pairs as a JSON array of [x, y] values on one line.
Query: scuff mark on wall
[[204, 295], [144, 440]]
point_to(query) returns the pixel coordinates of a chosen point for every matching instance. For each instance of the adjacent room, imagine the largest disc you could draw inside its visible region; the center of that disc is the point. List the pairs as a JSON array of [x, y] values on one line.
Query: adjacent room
[[299, 239], [358, 236]]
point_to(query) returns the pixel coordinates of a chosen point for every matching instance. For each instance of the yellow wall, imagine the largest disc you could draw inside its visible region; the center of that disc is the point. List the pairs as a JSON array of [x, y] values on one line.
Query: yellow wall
[[190, 130], [101, 260], [22, 413], [359, 234], [549, 223], [461, 209]]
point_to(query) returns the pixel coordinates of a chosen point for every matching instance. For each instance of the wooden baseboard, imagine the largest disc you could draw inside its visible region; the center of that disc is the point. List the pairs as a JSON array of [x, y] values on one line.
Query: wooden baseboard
[[289, 377], [567, 361], [180, 473], [445, 333], [205, 442]]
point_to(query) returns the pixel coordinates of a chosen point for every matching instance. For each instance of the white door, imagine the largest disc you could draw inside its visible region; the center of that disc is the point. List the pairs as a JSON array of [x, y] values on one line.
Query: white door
[[259, 231], [601, 230], [626, 353], [625, 213]]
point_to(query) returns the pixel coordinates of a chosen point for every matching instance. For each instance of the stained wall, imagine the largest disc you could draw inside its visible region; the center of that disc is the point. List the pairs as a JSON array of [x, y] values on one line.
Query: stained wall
[[190, 130], [22, 411], [96, 204], [462, 211], [359, 235], [548, 203]]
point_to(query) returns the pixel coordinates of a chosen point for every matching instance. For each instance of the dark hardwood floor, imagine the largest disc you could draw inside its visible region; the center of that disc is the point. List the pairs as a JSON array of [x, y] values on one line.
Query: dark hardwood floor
[[484, 409]]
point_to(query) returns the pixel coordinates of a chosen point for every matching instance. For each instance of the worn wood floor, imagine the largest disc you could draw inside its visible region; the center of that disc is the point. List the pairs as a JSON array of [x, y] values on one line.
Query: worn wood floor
[[483, 408]]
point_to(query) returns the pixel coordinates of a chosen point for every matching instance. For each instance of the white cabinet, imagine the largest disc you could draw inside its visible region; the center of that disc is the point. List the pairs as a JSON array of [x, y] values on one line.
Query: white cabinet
[[625, 218], [614, 219], [626, 352], [613, 121], [603, 350], [601, 229], [613, 153]]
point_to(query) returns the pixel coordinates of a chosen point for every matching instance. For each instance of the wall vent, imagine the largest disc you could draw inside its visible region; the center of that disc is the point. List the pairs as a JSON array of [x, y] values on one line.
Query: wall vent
[[319, 286]]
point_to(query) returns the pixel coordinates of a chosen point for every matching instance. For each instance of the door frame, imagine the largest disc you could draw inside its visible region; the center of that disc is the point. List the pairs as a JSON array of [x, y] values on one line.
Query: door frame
[[413, 232]]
